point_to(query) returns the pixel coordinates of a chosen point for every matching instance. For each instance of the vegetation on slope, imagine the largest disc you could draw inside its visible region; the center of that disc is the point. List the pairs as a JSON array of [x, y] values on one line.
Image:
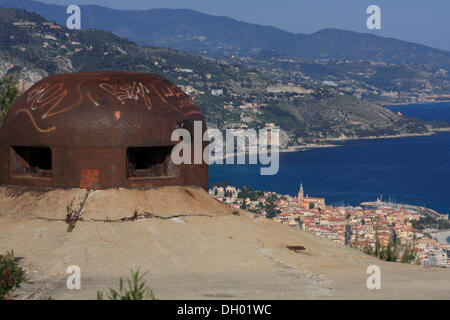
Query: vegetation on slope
[[33, 48]]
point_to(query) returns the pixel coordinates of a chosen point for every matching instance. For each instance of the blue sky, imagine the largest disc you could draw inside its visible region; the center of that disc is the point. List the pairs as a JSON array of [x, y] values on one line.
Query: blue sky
[[421, 21]]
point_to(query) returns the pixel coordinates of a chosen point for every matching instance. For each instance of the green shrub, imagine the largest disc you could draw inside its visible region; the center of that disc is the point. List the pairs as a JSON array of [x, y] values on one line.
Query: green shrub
[[11, 275], [8, 94], [137, 289]]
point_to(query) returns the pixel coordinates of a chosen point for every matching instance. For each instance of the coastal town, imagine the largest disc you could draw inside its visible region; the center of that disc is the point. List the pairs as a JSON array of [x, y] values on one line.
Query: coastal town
[[389, 232]]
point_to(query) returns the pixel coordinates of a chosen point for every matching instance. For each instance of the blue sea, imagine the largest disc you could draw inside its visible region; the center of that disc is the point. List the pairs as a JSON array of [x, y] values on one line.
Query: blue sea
[[413, 170]]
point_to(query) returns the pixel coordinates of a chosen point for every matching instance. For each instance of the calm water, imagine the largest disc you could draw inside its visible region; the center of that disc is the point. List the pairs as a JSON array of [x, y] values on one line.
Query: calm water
[[412, 170]]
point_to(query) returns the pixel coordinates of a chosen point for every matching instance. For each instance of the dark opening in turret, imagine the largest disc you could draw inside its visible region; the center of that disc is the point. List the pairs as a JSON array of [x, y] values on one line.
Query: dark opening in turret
[[145, 162], [31, 161]]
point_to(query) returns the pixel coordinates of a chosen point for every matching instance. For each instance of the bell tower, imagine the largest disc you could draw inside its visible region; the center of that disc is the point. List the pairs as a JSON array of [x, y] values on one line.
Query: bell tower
[[301, 193]]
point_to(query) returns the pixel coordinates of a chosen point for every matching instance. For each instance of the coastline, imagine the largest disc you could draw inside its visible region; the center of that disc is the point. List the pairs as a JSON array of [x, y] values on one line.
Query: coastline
[[295, 148], [440, 130], [394, 136], [333, 142], [420, 209], [303, 147], [309, 146], [409, 103]]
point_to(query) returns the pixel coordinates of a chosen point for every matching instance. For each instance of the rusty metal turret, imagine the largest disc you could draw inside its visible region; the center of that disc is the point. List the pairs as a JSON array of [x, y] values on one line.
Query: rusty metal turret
[[98, 130]]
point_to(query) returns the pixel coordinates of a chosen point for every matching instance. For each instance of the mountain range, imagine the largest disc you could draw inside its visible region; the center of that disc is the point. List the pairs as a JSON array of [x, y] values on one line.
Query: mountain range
[[230, 96], [218, 36]]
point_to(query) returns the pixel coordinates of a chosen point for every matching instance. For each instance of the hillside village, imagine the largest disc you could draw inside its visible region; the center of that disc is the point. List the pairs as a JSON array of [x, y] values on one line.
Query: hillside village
[[387, 232], [379, 82]]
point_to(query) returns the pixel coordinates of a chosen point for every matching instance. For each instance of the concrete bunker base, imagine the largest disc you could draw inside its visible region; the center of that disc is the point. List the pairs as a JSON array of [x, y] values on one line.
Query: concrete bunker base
[[107, 205]]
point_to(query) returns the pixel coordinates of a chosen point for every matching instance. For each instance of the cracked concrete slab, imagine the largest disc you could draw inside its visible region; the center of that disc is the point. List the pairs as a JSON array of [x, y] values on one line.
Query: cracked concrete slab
[[42, 203], [114, 204]]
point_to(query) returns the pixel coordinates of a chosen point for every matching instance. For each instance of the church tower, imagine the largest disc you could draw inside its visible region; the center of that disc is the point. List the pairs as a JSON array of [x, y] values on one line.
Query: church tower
[[300, 193]]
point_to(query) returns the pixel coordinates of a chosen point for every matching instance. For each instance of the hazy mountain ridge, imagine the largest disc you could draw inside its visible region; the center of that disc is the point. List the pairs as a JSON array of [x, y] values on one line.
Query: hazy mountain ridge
[[246, 98], [181, 29], [350, 45], [193, 31]]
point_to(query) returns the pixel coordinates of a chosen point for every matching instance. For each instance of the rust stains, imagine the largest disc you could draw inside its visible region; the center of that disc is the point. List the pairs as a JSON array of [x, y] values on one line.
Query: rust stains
[[90, 120], [89, 178]]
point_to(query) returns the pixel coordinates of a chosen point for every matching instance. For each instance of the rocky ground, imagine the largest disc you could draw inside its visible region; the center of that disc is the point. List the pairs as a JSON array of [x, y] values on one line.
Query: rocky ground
[[192, 246]]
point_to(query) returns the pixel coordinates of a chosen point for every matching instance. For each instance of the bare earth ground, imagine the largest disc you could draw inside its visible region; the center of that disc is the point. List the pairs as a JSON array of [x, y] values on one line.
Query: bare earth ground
[[192, 246]]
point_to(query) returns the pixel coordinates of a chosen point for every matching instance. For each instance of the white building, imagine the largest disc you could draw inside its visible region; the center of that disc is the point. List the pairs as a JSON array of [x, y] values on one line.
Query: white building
[[217, 92]]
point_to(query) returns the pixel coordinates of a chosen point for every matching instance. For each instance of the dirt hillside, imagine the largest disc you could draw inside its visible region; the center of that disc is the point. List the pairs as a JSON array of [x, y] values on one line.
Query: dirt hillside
[[192, 246]]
